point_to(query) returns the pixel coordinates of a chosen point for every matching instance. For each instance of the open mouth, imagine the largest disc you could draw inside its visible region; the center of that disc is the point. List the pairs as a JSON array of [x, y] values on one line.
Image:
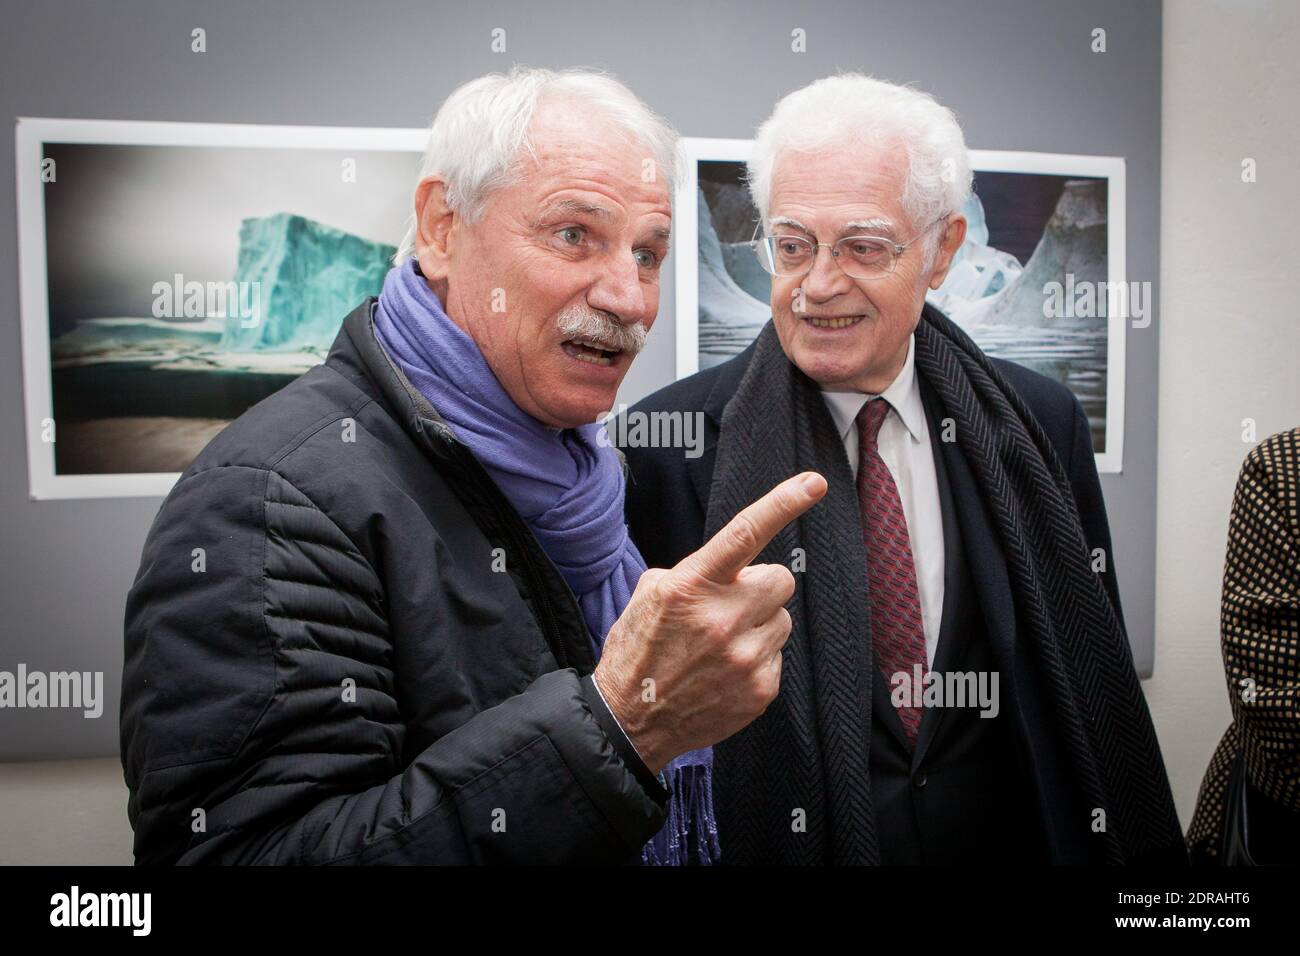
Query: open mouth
[[833, 322], [587, 350]]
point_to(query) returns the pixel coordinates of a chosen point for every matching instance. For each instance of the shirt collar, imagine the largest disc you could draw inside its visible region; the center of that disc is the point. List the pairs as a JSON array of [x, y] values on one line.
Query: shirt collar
[[903, 395]]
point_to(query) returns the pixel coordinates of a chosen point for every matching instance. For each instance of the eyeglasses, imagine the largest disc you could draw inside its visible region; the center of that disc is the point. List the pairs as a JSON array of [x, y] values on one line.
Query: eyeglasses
[[861, 257]]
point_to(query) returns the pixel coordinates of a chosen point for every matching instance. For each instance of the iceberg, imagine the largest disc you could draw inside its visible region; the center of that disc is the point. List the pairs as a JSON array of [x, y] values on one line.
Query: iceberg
[[130, 339], [730, 317], [1071, 252], [978, 273], [308, 275], [311, 275]]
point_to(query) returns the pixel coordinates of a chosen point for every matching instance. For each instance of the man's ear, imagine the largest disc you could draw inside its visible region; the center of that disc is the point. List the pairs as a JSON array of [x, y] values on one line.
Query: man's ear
[[953, 236], [435, 223]]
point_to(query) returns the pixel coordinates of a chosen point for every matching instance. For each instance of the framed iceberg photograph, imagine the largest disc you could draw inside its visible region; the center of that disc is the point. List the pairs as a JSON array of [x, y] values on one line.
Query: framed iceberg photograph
[[174, 274], [1040, 279]]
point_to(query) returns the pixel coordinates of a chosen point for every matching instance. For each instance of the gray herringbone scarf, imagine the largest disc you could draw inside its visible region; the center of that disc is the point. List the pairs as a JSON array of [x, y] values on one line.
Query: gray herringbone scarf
[[809, 751]]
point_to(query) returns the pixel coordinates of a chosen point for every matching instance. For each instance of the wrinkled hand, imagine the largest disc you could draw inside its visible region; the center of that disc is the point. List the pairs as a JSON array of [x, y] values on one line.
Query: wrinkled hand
[[696, 654]]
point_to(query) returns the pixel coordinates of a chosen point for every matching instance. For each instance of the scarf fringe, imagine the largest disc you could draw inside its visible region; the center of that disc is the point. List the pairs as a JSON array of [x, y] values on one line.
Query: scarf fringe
[[690, 835]]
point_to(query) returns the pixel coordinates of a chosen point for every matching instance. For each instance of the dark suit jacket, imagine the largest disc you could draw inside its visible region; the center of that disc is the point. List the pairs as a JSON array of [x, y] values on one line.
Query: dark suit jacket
[[971, 787]]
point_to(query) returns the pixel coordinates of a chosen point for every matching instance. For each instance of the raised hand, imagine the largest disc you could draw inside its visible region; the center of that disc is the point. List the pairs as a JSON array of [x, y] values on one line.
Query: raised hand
[[696, 654]]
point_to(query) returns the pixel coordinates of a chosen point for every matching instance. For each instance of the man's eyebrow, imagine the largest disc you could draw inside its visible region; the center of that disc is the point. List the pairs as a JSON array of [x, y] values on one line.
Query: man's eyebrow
[[881, 227], [787, 221], [581, 208], [875, 226], [662, 232]]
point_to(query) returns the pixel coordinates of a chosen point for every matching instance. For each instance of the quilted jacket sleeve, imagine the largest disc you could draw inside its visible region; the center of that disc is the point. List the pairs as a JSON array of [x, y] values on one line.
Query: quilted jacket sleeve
[[245, 741]]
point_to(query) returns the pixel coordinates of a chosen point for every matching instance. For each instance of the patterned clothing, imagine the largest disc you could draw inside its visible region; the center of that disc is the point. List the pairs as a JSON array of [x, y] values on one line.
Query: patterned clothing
[[1260, 622]]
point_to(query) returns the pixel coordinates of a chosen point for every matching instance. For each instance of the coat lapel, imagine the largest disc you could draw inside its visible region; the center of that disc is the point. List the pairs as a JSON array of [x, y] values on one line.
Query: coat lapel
[[954, 634], [983, 551], [989, 579], [724, 387]]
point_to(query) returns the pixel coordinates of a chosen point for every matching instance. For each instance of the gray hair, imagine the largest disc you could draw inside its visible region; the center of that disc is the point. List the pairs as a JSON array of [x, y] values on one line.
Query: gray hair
[[481, 131], [855, 108]]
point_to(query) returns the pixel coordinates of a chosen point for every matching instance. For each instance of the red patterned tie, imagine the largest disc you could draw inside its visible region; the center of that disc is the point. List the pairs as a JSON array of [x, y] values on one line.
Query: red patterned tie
[[897, 635]]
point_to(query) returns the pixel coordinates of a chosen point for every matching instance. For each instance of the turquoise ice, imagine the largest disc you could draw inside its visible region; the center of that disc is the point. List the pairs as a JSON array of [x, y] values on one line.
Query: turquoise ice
[[311, 275]]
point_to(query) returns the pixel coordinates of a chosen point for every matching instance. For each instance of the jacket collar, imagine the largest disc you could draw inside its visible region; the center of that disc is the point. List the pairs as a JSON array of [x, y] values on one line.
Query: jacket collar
[[357, 355], [724, 386]]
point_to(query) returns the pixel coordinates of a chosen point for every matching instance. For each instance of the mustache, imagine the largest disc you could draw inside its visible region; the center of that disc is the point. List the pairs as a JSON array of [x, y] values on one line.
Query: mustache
[[601, 328]]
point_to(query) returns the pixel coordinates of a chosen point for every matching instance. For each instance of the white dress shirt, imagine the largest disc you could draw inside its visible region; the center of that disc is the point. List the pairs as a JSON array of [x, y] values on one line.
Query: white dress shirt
[[904, 444]]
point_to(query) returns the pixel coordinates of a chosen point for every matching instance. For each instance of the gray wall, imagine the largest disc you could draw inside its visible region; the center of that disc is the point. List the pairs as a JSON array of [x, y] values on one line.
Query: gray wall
[[1018, 73]]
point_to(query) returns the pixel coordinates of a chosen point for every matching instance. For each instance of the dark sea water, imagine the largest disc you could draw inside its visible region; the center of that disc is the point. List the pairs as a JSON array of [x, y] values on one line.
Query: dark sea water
[[119, 389], [128, 417], [1074, 357]]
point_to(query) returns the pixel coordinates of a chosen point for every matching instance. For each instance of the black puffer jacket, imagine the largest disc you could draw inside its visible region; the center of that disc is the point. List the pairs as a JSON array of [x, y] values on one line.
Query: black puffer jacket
[[325, 663]]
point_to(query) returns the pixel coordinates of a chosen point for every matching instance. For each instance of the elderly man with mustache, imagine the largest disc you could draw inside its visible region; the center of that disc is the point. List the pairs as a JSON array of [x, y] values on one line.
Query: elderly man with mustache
[[956, 548], [420, 632]]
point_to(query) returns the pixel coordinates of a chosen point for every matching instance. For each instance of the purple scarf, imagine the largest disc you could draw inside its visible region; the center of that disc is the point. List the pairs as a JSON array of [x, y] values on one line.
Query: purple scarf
[[569, 490]]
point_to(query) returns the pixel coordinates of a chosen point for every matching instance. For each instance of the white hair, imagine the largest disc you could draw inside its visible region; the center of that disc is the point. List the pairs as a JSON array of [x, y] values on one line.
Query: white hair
[[855, 109], [481, 130]]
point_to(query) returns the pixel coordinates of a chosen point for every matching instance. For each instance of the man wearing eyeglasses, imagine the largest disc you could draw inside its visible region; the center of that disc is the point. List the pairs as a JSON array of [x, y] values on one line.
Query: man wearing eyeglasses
[[957, 686]]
